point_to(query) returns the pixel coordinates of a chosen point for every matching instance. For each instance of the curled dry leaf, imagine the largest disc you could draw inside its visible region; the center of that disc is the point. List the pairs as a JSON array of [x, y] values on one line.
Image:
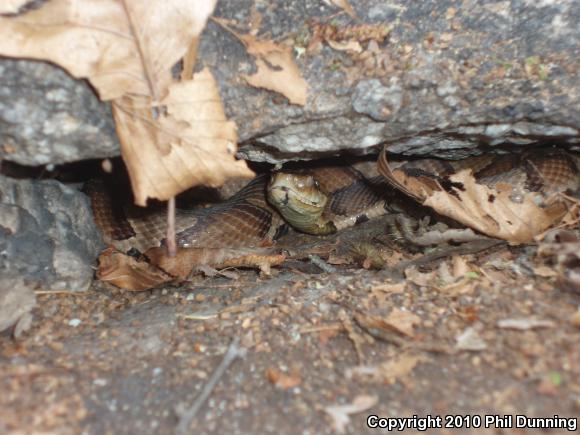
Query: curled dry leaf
[[421, 279], [488, 210], [377, 328], [186, 260], [403, 321], [277, 70], [157, 267], [173, 134], [390, 371], [346, 46], [189, 143], [500, 217], [284, 381], [129, 273]]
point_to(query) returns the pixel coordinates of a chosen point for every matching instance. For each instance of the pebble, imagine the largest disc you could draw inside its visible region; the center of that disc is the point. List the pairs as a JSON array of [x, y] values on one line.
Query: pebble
[[74, 322]]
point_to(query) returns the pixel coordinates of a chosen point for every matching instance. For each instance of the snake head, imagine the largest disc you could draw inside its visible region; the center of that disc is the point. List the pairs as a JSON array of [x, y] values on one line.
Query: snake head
[[299, 199]]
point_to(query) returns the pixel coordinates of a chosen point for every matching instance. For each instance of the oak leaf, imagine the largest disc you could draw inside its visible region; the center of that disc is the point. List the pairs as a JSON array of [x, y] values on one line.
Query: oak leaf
[[127, 49], [489, 210], [189, 143], [277, 70], [493, 212], [121, 46], [129, 273]]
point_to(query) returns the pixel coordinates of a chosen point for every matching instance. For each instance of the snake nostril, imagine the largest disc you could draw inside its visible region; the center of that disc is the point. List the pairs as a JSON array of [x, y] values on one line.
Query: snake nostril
[[286, 198]]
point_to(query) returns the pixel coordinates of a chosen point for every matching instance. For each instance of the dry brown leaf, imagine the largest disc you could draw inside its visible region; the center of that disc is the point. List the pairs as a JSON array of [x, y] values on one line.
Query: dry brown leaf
[[377, 328], [387, 287], [419, 278], [345, 6], [122, 47], [173, 134], [190, 143], [459, 266], [185, 260], [11, 6], [403, 321], [498, 217], [129, 273], [353, 46], [286, 80], [277, 70], [284, 381], [487, 210], [460, 287], [390, 371], [545, 271]]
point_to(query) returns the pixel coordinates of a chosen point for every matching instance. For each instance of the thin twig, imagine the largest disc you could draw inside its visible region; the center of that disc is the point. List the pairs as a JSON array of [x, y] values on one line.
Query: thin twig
[[60, 292], [321, 264], [170, 237], [464, 249], [233, 352]]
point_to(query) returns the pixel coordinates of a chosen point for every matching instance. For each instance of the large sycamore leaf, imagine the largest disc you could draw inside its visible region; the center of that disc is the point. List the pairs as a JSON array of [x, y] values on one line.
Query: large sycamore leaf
[[173, 134], [121, 46], [189, 143]]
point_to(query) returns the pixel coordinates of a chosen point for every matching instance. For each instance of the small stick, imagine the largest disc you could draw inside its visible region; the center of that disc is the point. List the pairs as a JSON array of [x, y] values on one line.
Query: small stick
[[467, 248], [233, 352], [171, 245], [321, 264]]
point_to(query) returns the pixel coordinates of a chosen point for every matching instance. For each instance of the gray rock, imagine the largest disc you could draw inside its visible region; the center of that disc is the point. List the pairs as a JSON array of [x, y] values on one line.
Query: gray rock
[[47, 117], [16, 301], [449, 77], [47, 235]]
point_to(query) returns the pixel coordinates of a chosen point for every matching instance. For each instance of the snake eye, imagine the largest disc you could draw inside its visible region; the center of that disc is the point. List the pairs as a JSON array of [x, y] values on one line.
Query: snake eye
[[305, 182]]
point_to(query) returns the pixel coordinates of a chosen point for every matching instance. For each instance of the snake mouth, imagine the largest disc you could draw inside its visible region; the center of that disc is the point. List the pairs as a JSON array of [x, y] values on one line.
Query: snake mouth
[[284, 196], [298, 190]]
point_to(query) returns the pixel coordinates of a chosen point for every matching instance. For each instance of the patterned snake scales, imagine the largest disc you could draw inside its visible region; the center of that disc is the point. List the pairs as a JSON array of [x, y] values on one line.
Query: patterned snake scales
[[319, 200]]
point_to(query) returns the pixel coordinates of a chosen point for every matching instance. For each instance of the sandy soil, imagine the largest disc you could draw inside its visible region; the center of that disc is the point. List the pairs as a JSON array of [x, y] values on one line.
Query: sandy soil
[[317, 351]]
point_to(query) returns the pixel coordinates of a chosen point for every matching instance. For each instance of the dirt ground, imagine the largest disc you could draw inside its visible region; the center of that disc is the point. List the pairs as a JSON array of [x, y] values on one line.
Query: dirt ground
[[314, 351]]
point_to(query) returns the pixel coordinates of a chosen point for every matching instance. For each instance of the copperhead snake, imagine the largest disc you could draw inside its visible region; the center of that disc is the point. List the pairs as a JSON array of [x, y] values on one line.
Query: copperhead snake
[[323, 200]]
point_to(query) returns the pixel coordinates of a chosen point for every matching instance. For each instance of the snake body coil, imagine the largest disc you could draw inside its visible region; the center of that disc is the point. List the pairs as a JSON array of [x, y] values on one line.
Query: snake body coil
[[318, 201]]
